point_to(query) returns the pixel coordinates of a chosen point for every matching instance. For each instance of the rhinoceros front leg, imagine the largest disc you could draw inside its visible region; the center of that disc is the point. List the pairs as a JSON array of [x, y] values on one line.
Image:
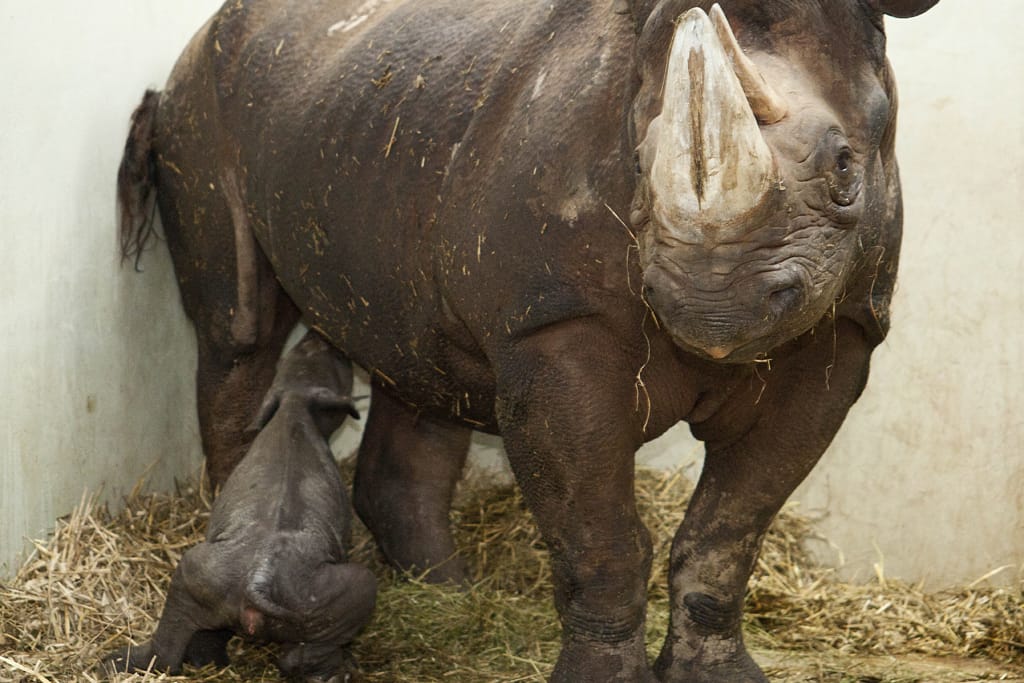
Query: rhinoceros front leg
[[743, 485], [406, 473], [567, 412]]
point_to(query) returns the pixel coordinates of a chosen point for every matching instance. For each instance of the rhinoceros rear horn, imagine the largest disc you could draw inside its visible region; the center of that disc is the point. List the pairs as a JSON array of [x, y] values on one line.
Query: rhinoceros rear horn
[[766, 104], [709, 164], [902, 8]]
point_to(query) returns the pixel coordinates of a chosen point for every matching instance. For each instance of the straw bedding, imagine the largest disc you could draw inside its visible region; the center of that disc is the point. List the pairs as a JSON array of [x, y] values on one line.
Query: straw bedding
[[101, 580]]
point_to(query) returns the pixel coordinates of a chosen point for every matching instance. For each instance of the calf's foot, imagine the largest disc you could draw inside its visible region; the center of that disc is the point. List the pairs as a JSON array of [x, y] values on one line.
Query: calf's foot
[[208, 647], [133, 658], [317, 663]]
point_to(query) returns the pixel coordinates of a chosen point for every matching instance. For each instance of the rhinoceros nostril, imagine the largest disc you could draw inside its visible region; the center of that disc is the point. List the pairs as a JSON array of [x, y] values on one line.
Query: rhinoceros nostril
[[785, 299]]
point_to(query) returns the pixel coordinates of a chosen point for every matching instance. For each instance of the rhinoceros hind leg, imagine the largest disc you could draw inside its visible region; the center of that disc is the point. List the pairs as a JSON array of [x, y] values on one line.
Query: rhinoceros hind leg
[[241, 314], [232, 377], [406, 473], [242, 318]]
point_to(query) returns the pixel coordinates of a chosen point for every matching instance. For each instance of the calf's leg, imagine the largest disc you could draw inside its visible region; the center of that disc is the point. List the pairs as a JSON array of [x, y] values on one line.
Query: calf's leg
[[346, 594], [208, 647], [194, 607]]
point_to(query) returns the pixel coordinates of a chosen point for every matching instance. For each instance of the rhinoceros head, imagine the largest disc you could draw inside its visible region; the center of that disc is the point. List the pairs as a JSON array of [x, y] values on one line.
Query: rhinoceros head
[[765, 162]]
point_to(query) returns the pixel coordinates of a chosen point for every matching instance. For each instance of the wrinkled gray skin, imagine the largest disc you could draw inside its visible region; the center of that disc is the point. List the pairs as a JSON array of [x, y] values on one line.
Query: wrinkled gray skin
[[273, 566], [431, 186]]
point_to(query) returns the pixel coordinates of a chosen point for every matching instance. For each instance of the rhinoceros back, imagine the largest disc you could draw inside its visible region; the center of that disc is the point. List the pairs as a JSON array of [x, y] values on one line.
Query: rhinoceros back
[[401, 171]]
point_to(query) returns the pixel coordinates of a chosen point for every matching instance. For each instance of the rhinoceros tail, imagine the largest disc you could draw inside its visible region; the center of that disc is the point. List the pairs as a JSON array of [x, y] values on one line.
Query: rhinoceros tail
[[263, 589], [136, 181]]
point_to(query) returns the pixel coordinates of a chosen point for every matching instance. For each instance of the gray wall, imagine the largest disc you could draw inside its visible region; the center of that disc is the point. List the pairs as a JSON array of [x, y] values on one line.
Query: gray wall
[[925, 478]]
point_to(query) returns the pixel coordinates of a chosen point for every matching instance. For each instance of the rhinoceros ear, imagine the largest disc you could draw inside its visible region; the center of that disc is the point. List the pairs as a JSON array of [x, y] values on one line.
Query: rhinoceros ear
[[902, 8]]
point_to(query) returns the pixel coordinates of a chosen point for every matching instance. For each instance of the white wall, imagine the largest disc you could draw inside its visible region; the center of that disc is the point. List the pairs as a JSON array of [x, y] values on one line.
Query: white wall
[[927, 473], [97, 362]]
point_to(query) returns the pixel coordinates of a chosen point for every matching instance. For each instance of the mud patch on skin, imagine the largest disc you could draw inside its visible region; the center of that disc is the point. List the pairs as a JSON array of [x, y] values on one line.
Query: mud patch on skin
[[361, 14], [244, 323]]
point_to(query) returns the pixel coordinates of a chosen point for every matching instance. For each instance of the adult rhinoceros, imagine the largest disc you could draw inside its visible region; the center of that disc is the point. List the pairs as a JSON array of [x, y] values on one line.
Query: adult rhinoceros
[[436, 187]]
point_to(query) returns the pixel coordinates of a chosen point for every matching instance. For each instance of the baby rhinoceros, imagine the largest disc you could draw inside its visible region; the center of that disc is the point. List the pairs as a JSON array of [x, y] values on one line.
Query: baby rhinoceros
[[273, 566]]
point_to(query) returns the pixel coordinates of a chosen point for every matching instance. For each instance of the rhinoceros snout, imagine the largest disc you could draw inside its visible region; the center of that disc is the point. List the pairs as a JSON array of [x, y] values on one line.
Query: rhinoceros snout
[[732, 321]]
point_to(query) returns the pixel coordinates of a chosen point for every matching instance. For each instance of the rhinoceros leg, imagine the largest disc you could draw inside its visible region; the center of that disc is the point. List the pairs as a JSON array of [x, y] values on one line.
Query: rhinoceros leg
[[230, 383], [241, 314], [743, 485], [345, 597], [567, 411], [406, 473], [194, 608]]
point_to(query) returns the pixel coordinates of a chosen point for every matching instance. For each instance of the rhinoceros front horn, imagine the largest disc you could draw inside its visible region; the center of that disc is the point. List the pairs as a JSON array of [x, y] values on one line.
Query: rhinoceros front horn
[[708, 162]]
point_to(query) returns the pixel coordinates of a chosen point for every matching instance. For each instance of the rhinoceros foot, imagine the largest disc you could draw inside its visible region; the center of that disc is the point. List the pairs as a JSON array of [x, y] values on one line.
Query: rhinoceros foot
[[740, 668], [318, 663], [595, 662], [341, 677]]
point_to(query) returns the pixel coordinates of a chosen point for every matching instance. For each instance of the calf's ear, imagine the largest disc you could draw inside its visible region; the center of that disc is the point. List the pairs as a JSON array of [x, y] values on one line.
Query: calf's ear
[[326, 400], [270, 404], [902, 8]]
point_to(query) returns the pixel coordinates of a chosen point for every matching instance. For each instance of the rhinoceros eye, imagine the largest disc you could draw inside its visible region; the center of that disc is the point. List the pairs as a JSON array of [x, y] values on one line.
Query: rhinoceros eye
[[844, 161], [844, 180]]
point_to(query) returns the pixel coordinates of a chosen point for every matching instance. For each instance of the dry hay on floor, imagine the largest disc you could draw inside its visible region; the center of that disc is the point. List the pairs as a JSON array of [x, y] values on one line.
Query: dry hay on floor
[[102, 578]]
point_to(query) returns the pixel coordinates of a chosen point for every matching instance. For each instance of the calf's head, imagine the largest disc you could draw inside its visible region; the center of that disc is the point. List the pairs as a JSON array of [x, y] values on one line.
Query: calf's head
[[318, 378], [765, 163]]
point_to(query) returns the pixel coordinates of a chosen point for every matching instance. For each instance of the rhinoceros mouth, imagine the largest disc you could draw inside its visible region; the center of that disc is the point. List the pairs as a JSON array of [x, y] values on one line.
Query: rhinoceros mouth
[[741, 351], [751, 352], [734, 320]]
